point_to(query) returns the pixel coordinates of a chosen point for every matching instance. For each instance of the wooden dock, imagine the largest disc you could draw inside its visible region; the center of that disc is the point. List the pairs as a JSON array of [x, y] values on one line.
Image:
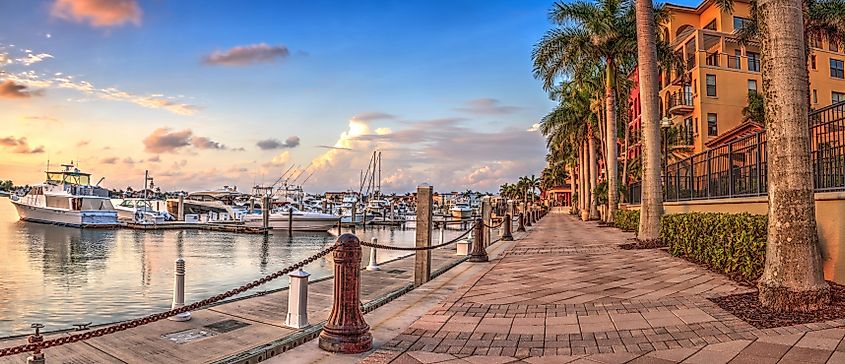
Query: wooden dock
[[235, 331], [181, 225]]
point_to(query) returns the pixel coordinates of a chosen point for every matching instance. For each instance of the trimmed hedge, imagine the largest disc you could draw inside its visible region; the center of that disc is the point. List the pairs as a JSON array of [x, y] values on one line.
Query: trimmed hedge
[[734, 244], [627, 220]]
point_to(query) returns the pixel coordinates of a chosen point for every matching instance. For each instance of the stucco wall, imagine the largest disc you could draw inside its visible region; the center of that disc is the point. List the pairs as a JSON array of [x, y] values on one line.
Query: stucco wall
[[830, 222]]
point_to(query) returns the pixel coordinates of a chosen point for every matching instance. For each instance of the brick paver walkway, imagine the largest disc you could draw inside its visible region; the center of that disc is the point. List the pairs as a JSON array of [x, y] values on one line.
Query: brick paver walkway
[[567, 293]]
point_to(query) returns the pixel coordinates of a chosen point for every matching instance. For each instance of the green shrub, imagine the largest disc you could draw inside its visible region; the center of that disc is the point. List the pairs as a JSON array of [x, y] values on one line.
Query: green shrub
[[628, 220], [734, 244]]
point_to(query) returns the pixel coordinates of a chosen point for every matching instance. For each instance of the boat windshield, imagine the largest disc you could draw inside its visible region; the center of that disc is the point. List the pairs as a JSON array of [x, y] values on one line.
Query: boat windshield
[[81, 179]]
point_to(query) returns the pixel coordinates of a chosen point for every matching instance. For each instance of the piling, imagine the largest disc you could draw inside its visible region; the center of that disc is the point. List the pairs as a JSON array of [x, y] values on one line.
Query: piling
[[442, 226], [297, 300], [506, 228], [373, 265], [265, 213], [346, 331], [180, 210], [527, 212], [422, 261], [479, 252], [487, 216], [520, 228], [290, 222], [179, 292]]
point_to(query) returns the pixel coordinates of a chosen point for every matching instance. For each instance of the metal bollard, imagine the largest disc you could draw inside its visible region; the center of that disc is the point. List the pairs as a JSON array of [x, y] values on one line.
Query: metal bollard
[[373, 257], [520, 228], [478, 253], [346, 331], [37, 356], [528, 218], [506, 228], [179, 292], [298, 300]]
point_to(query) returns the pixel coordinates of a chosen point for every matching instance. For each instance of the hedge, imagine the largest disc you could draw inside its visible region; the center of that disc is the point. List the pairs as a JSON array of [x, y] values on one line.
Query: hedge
[[627, 220], [734, 244]]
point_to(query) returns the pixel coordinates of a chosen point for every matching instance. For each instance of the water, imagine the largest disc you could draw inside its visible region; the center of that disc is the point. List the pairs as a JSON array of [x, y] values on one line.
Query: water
[[59, 276]]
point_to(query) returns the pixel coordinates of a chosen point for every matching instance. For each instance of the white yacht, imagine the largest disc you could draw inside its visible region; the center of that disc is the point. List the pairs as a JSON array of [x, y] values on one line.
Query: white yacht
[[302, 221], [67, 198], [142, 211], [377, 207], [461, 211]]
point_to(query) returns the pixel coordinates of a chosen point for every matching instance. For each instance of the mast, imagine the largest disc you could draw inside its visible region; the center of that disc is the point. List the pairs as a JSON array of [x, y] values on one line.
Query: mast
[[146, 178]]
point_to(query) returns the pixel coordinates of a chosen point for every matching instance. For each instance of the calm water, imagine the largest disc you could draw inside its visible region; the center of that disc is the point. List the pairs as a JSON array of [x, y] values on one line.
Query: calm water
[[59, 276]]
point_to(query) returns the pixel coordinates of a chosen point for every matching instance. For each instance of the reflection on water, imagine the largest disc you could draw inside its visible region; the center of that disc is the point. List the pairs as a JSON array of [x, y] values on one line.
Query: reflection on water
[[59, 275]]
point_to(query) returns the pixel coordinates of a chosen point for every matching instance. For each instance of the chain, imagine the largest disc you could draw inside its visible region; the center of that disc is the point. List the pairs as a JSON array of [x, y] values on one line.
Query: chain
[[495, 226], [417, 248], [163, 315]]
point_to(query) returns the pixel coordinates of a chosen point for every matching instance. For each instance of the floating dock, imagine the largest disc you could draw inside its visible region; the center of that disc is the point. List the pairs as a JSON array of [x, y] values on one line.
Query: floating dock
[[172, 225]]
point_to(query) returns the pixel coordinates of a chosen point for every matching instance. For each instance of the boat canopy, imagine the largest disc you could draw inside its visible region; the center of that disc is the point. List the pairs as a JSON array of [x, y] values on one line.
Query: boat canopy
[[73, 178]]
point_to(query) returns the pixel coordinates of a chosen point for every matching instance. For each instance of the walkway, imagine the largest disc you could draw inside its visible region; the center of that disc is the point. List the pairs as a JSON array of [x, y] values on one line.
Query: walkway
[[567, 293]]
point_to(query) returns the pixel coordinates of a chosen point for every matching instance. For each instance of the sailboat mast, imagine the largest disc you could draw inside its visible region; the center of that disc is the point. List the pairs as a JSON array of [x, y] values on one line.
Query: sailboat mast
[[146, 178]]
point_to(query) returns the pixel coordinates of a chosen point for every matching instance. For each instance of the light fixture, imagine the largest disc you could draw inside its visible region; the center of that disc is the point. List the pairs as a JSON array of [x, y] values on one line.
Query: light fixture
[[665, 123]]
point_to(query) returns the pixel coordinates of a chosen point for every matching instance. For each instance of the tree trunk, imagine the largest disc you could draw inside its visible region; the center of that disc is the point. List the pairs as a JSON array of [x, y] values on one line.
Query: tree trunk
[[792, 279], [585, 185], [594, 171], [572, 187], [610, 153], [625, 161], [651, 205]]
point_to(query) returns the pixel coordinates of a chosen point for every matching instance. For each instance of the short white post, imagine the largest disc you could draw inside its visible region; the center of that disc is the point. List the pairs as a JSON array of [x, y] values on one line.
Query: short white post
[[442, 232], [298, 300], [373, 257], [179, 292], [463, 246]]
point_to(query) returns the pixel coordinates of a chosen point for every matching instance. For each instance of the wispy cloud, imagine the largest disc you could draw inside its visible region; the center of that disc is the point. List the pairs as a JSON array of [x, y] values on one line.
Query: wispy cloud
[[247, 54], [19, 145], [109, 160], [98, 13], [373, 116], [206, 143], [487, 106], [45, 119], [268, 144], [331, 147], [11, 90]]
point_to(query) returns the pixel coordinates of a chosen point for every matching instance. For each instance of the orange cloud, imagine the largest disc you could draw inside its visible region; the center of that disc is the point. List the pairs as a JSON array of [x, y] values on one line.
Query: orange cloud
[[11, 90], [19, 145], [98, 13]]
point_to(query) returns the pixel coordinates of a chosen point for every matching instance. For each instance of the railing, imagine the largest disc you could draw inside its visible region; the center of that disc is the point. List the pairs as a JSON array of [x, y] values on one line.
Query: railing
[[680, 98], [739, 169]]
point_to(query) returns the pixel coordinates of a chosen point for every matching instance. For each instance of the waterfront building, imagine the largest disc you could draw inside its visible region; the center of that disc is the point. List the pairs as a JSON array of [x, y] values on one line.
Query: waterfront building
[[705, 99]]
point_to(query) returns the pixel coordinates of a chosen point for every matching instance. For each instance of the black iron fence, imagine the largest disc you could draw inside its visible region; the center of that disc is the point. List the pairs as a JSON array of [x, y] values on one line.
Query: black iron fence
[[739, 169]]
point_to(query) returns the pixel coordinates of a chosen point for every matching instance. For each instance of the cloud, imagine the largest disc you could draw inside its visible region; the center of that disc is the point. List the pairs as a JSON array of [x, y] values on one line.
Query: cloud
[[109, 160], [98, 13], [19, 145], [373, 116], [46, 119], [248, 54], [331, 147], [11, 90], [534, 128], [281, 159], [206, 143], [154, 159], [268, 144], [162, 140], [487, 106], [82, 143]]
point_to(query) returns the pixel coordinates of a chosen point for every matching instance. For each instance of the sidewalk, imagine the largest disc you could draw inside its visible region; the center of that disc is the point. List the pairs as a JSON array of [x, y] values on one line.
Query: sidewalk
[[567, 293]]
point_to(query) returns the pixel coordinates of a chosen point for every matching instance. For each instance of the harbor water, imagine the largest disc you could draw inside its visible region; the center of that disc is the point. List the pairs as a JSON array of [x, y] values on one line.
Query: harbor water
[[60, 276]]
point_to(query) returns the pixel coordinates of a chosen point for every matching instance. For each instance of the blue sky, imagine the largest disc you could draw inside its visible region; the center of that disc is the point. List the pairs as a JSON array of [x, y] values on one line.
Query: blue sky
[[443, 87]]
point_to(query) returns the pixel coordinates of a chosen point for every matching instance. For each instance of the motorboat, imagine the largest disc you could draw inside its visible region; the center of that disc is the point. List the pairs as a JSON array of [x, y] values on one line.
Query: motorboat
[[377, 207], [67, 198], [142, 211], [218, 205], [279, 218], [461, 211]]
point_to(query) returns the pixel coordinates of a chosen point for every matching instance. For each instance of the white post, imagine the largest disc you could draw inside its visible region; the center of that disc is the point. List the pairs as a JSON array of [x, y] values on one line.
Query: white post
[[442, 232], [462, 247], [179, 292], [373, 257], [298, 300]]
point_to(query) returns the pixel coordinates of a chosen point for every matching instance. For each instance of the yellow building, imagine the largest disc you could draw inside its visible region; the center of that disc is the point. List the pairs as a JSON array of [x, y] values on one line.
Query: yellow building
[[706, 100]]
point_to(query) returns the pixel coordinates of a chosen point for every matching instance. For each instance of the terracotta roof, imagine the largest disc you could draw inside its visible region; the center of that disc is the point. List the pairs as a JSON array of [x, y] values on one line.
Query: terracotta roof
[[743, 129]]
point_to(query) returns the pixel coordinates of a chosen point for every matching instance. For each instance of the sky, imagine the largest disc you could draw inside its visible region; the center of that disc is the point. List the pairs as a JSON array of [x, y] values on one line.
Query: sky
[[205, 94]]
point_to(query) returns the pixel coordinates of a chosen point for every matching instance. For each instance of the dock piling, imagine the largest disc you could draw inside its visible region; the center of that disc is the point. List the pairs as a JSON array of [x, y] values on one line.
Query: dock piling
[[422, 262], [487, 216], [373, 265], [265, 213], [290, 222], [298, 300], [520, 228], [479, 252], [506, 228], [179, 292], [345, 330]]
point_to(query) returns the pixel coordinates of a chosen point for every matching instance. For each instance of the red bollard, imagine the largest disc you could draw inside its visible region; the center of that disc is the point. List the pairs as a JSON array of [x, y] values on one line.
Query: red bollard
[[345, 330]]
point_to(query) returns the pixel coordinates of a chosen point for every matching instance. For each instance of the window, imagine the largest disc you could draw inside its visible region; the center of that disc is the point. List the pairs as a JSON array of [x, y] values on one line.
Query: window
[[711, 25], [740, 23], [712, 129], [737, 61], [815, 96], [752, 86], [837, 68], [833, 46], [753, 61], [837, 97], [711, 85], [813, 61]]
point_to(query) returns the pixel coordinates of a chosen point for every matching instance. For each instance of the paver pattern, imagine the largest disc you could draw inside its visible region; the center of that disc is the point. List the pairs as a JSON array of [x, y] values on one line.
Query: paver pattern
[[567, 293]]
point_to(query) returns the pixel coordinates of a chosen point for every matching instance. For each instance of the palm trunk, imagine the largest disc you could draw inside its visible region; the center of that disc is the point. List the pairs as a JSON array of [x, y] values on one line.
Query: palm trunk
[[571, 187], [625, 161], [591, 151], [793, 279], [651, 205], [611, 155], [585, 184]]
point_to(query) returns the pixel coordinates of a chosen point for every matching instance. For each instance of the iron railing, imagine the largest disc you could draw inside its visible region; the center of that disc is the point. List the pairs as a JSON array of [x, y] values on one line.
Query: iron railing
[[739, 168]]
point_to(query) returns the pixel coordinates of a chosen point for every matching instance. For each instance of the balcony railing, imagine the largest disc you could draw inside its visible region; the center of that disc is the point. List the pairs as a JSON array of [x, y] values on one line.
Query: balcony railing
[[680, 102], [739, 169]]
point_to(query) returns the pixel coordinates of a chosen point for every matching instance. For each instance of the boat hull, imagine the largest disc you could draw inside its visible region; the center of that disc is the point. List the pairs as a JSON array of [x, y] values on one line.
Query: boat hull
[[299, 223], [461, 214], [92, 218]]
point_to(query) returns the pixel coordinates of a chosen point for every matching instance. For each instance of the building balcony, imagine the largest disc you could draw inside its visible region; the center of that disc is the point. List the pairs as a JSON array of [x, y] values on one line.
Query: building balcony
[[680, 103]]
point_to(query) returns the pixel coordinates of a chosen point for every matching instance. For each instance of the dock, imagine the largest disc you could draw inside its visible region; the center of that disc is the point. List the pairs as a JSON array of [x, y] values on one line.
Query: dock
[[181, 225]]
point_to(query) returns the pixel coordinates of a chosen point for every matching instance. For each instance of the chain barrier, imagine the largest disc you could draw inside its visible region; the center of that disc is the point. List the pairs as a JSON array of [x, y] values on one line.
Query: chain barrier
[[37, 346], [495, 226], [417, 248]]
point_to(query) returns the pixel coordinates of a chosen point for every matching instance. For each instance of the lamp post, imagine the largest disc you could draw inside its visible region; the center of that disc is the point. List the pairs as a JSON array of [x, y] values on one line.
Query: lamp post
[[665, 125]]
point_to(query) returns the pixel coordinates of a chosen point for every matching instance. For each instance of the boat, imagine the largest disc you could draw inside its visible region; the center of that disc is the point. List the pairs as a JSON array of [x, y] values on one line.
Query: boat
[[142, 211], [67, 198], [377, 207], [461, 211], [220, 205], [302, 220]]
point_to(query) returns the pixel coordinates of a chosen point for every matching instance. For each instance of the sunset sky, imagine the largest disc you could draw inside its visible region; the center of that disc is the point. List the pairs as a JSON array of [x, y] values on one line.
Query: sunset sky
[[206, 94]]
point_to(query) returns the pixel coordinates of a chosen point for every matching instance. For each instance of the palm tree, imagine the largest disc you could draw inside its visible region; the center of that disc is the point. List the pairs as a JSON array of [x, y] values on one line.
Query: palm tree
[[603, 32], [533, 183]]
